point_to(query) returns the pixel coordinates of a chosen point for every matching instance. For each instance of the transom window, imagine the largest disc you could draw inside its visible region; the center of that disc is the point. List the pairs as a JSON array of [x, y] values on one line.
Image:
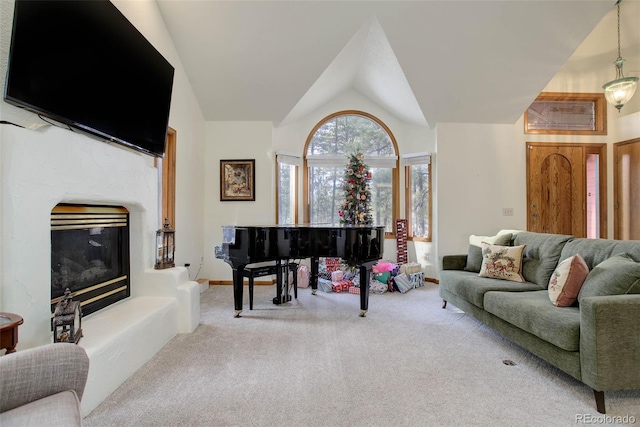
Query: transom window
[[326, 156]]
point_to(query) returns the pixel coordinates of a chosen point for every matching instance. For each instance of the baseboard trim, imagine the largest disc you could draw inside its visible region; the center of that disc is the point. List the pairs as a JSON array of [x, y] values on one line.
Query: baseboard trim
[[230, 283]]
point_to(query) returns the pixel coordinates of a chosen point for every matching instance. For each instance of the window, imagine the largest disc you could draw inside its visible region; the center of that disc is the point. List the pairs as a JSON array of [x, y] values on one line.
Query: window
[[287, 188], [328, 146], [418, 195], [567, 114]]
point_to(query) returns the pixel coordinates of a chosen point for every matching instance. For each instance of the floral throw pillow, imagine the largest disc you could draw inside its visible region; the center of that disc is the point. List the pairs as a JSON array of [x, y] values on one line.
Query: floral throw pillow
[[502, 262], [566, 281], [474, 258]]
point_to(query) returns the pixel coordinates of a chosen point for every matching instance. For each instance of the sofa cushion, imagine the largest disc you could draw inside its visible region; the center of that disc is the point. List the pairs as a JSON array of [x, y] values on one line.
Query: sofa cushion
[[533, 312], [470, 287], [502, 262], [541, 255], [617, 275], [61, 409], [474, 258], [594, 251], [566, 281]]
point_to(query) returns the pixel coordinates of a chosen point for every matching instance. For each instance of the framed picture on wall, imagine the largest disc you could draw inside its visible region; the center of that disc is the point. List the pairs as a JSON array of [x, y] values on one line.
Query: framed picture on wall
[[237, 180]]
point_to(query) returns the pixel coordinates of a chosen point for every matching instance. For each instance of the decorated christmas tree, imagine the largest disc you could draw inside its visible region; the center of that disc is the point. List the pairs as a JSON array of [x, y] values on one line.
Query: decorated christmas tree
[[356, 207]]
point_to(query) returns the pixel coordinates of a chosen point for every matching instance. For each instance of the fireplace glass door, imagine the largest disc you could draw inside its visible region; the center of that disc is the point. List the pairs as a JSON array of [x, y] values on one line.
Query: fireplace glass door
[[90, 255]]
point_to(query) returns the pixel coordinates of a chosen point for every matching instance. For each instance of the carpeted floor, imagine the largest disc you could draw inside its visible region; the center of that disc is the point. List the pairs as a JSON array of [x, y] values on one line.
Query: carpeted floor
[[314, 362]]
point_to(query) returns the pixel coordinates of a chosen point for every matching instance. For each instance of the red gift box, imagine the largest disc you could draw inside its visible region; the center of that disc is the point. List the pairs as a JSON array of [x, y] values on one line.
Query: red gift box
[[354, 290], [341, 285], [332, 264]]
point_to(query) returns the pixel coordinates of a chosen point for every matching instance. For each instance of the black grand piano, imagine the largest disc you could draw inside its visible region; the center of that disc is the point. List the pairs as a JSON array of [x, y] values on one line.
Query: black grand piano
[[360, 245]]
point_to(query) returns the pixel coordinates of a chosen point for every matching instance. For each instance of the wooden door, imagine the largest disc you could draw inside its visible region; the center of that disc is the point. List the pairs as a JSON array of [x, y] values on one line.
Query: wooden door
[[556, 188], [626, 190]]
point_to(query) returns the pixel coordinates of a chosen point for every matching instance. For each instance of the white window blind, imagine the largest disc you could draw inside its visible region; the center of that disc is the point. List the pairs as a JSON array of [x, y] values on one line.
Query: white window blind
[[416, 159], [288, 159]]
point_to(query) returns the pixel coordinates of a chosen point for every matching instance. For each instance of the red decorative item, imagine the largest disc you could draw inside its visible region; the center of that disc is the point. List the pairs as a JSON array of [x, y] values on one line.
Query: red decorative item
[[332, 264], [341, 285], [401, 241]]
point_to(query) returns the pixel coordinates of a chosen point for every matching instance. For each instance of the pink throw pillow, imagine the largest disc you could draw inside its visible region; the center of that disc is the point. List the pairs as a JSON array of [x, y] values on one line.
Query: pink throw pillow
[[566, 281]]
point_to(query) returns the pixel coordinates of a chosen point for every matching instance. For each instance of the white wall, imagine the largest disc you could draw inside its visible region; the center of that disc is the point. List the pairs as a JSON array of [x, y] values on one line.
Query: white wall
[[40, 168], [186, 118], [480, 172], [236, 141]]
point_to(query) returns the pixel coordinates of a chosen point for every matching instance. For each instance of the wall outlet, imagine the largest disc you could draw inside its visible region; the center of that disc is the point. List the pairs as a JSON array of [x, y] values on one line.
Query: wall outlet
[[507, 211]]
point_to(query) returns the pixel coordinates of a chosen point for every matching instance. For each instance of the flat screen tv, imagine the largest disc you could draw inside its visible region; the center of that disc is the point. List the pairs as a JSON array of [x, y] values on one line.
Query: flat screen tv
[[83, 64]]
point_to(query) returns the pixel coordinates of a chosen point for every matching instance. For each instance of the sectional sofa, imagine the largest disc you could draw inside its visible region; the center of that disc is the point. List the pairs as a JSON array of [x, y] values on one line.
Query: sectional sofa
[[595, 339]]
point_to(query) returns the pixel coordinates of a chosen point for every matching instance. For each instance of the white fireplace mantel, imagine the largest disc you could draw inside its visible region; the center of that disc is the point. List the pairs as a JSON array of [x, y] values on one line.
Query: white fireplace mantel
[[49, 166]]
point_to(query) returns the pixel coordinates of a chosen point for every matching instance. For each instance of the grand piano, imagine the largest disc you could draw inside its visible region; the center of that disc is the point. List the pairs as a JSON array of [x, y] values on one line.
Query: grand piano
[[359, 245]]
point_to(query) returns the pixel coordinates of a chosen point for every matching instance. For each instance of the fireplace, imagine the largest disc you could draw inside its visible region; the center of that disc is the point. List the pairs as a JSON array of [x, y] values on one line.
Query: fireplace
[[90, 255]]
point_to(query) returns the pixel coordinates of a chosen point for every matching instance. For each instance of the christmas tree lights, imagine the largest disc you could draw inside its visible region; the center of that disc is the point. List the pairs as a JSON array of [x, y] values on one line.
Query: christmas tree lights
[[356, 207]]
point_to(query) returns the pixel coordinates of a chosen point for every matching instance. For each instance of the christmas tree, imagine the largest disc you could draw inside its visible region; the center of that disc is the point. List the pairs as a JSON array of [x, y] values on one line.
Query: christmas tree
[[356, 207]]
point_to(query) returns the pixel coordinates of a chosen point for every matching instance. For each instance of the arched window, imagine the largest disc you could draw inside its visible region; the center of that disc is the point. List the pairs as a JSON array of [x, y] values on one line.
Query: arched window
[[326, 156]]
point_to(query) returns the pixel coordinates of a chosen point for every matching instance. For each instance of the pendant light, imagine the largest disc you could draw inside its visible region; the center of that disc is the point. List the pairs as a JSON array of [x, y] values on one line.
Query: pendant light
[[619, 91]]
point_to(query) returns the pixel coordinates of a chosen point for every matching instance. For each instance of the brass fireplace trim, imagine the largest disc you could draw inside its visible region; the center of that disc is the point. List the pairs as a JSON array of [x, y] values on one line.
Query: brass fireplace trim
[[92, 288], [70, 217]]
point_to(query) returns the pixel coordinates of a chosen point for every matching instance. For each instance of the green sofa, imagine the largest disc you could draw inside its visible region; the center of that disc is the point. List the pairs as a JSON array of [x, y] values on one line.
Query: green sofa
[[597, 340]]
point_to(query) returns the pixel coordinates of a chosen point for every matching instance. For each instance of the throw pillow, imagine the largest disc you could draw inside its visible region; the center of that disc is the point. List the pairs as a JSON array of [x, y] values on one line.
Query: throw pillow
[[502, 262], [616, 275], [566, 281], [474, 257]]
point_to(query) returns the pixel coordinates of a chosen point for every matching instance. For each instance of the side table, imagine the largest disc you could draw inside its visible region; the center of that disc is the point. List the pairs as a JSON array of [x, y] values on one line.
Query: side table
[[9, 323]]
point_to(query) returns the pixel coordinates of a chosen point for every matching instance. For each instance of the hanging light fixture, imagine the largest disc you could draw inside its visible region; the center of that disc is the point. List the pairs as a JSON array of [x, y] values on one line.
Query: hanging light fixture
[[619, 91]]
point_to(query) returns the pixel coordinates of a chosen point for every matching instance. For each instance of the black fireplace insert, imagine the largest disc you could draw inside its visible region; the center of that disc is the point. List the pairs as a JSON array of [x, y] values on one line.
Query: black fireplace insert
[[90, 255]]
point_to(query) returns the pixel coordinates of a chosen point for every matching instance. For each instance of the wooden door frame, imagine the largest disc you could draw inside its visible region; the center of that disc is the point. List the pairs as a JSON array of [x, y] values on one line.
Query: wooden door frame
[[616, 183], [589, 148], [169, 178]]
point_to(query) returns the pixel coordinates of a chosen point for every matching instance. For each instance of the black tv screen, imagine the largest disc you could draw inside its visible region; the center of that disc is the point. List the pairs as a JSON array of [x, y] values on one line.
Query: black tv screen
[[83, 64]]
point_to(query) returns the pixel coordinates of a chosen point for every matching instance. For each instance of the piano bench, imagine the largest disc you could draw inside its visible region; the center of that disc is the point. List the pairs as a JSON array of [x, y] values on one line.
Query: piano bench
[[268, 270]]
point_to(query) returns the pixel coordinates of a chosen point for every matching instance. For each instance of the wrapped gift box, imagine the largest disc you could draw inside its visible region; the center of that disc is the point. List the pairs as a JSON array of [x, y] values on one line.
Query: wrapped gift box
[[417, 279], [403, 283], [341, 285], [324, 285], [354, 290], [410, 268], [332, 264], [337, 275]]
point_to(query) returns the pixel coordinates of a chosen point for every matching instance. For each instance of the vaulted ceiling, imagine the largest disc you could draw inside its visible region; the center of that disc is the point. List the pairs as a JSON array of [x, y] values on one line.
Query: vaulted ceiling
[[424, 61]]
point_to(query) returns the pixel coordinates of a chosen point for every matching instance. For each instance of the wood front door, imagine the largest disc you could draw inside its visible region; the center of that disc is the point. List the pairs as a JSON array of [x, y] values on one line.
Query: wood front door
[[556, 188], [626, 187]]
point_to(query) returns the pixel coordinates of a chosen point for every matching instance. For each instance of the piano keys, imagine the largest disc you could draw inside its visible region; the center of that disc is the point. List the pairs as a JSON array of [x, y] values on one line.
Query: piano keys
[[243, 245]]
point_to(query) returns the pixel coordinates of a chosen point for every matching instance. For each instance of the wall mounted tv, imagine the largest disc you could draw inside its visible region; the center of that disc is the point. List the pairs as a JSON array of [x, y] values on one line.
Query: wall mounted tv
[[83, 64]]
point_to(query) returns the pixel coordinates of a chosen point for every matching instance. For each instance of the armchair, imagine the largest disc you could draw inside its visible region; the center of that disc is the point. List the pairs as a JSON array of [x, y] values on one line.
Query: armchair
[[43, 386]]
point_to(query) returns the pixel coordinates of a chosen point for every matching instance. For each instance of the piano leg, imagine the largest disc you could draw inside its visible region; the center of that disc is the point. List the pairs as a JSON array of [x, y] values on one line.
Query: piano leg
[[238, 281], [294, 269], [313, 276], [282, 282], [364, 287]]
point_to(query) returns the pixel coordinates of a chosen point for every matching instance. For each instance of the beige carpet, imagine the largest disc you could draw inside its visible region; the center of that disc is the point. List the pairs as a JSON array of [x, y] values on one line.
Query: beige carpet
[[314, 362]]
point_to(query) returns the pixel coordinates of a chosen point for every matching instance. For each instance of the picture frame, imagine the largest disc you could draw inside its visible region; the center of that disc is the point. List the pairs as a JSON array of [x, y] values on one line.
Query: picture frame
[[237, 180]]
